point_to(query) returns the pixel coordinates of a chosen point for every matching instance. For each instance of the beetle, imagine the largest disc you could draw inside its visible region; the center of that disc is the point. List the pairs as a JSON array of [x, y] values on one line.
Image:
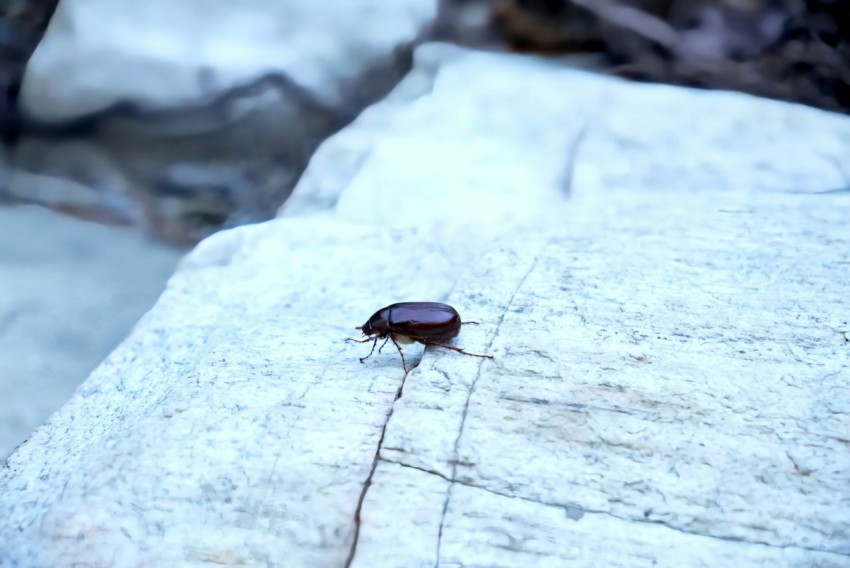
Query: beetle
[[429, 323]]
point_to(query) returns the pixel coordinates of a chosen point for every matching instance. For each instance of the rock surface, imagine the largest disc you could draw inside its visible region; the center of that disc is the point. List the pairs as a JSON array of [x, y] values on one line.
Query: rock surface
[[69, 293], [670, 382], [525, 119], [643, 376]]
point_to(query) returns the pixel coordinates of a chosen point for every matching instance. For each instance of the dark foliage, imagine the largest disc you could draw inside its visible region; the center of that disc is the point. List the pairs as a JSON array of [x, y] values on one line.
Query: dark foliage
[[794, 50]]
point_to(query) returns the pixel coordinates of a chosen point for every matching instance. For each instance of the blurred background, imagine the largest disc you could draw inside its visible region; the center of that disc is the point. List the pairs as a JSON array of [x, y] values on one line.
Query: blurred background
[[131, 131]]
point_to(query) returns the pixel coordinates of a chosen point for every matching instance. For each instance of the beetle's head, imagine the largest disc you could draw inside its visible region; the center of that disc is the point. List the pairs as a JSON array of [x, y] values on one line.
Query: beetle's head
[[366, 328]]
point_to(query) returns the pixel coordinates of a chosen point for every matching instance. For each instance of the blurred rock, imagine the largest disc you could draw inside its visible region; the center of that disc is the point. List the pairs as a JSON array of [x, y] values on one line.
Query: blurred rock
[[465, 22], [359, 175], [70, 292], [160, 55], [625, 135], [250, 88], [22, 24], [74, 176], [188, 198], [654, 269]]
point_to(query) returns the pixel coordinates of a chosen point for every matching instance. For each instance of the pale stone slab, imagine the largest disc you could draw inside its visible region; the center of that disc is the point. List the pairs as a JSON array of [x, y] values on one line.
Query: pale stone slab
[[235, 425], [486, 529], [687, 368], [497, 140]]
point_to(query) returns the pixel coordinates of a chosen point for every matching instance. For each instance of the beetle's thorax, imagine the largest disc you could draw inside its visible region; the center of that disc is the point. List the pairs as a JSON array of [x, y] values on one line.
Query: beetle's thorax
[[379, 323]]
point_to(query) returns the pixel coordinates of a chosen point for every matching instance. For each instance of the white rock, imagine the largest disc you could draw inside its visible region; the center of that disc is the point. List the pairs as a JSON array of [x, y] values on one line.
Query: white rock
[[168, 56], [466, 150], [490, 140], [685, 369], [670, 382], [238, 428]]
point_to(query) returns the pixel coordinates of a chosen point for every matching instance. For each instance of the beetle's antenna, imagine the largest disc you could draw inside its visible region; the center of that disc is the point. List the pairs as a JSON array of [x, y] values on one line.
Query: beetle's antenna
[[358, 340], [459, 350], [359, 327]]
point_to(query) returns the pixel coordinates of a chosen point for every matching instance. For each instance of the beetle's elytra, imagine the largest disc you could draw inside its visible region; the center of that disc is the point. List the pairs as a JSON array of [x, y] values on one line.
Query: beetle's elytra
[[429, 323]]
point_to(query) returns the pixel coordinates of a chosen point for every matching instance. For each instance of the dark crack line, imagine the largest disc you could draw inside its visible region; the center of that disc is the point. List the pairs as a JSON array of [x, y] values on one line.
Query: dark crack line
[[469, 398], [636, 520], [368, 482], [417, 468]]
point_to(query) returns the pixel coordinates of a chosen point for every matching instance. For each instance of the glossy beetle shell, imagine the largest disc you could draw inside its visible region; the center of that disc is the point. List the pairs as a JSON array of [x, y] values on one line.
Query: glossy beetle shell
[[415, 320], [429, 323]]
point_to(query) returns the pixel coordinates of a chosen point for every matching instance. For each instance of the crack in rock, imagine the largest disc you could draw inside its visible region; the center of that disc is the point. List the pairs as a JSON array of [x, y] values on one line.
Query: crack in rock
[[575, 512], [368, 483], [456, 451]]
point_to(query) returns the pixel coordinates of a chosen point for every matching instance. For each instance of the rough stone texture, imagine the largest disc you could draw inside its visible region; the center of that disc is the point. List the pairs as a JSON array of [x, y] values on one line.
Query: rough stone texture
[[648, 377], [69, 293], [283, 420], [670, 384]]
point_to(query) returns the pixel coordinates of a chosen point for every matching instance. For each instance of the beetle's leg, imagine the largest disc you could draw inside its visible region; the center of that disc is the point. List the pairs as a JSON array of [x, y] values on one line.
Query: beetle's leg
[[384, 343], [370, 352], [472, 322], [459, 350], [400, 352]]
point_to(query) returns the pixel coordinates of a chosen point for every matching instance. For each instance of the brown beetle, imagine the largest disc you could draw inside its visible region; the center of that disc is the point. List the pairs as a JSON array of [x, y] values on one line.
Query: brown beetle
[[429, 323]]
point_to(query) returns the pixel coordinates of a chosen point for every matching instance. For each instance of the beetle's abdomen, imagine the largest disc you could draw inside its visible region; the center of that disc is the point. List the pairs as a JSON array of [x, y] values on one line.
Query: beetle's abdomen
[[430, 320]]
